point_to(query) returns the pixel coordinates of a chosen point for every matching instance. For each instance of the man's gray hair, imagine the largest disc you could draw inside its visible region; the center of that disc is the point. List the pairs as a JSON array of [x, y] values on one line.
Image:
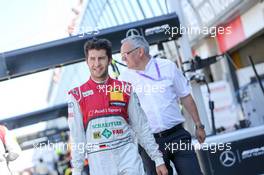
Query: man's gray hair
[[137, 41]]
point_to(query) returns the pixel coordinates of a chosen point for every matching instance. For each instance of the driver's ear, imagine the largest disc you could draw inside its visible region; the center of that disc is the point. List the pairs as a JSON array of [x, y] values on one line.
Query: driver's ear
[[86, 60], [110, 61]]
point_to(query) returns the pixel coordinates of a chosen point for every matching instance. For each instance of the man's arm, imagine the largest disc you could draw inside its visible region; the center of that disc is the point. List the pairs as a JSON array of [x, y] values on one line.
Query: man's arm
[[139, 123], [77, 135], [190, 106], [183, 89]]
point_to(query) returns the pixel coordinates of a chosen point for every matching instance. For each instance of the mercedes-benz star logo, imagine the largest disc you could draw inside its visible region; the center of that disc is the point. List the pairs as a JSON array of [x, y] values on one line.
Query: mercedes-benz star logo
[[227, 158], [132, 32]]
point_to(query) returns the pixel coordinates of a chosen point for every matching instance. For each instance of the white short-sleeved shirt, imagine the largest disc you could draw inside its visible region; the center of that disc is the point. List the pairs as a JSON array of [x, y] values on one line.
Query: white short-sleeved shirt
[[159, 95]]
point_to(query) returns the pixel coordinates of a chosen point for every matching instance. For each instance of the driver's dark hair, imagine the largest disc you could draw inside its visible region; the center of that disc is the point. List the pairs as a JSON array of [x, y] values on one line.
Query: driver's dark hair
[[98, 44]]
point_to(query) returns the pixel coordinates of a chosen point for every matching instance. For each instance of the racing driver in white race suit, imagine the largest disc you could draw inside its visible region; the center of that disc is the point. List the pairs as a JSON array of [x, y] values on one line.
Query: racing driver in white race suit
[[106, 121]]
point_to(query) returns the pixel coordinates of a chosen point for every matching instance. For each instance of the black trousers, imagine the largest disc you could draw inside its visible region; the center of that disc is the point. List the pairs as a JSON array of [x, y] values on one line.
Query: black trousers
[[176, 148]]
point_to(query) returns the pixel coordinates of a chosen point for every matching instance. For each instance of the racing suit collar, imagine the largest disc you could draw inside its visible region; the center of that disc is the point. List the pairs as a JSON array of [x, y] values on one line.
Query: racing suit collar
[[94, 83]]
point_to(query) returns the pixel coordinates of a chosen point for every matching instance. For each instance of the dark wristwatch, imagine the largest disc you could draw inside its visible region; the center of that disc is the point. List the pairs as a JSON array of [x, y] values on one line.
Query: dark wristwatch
[[199, 126]]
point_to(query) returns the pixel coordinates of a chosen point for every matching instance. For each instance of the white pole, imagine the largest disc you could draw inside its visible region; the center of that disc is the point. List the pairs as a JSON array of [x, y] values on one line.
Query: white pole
[[175, 6]]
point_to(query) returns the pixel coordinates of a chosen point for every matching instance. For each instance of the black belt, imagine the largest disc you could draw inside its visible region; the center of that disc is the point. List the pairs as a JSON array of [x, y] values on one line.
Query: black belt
[[168, 131]]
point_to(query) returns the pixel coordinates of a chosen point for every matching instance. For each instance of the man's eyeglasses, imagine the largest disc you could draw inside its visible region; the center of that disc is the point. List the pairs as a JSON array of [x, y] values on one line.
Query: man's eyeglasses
[[125, 54]]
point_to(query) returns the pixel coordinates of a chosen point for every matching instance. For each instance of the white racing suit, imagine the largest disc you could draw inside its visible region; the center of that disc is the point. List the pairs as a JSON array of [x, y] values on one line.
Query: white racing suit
[[106, 124]]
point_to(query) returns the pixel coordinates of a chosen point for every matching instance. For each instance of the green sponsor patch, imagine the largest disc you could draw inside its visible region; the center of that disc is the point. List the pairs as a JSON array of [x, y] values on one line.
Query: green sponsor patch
[[107, 124], [106, 133]]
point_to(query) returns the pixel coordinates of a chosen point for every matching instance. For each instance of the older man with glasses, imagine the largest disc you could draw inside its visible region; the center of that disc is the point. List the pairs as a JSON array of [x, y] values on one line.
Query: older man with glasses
[[160, 104]]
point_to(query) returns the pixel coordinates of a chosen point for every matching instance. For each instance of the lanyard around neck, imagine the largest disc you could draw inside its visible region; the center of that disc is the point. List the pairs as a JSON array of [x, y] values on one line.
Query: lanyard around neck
[[152, 78]]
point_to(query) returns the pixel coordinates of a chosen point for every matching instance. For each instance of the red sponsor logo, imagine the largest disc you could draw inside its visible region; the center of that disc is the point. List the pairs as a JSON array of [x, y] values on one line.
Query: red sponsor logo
[[117, 131]]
